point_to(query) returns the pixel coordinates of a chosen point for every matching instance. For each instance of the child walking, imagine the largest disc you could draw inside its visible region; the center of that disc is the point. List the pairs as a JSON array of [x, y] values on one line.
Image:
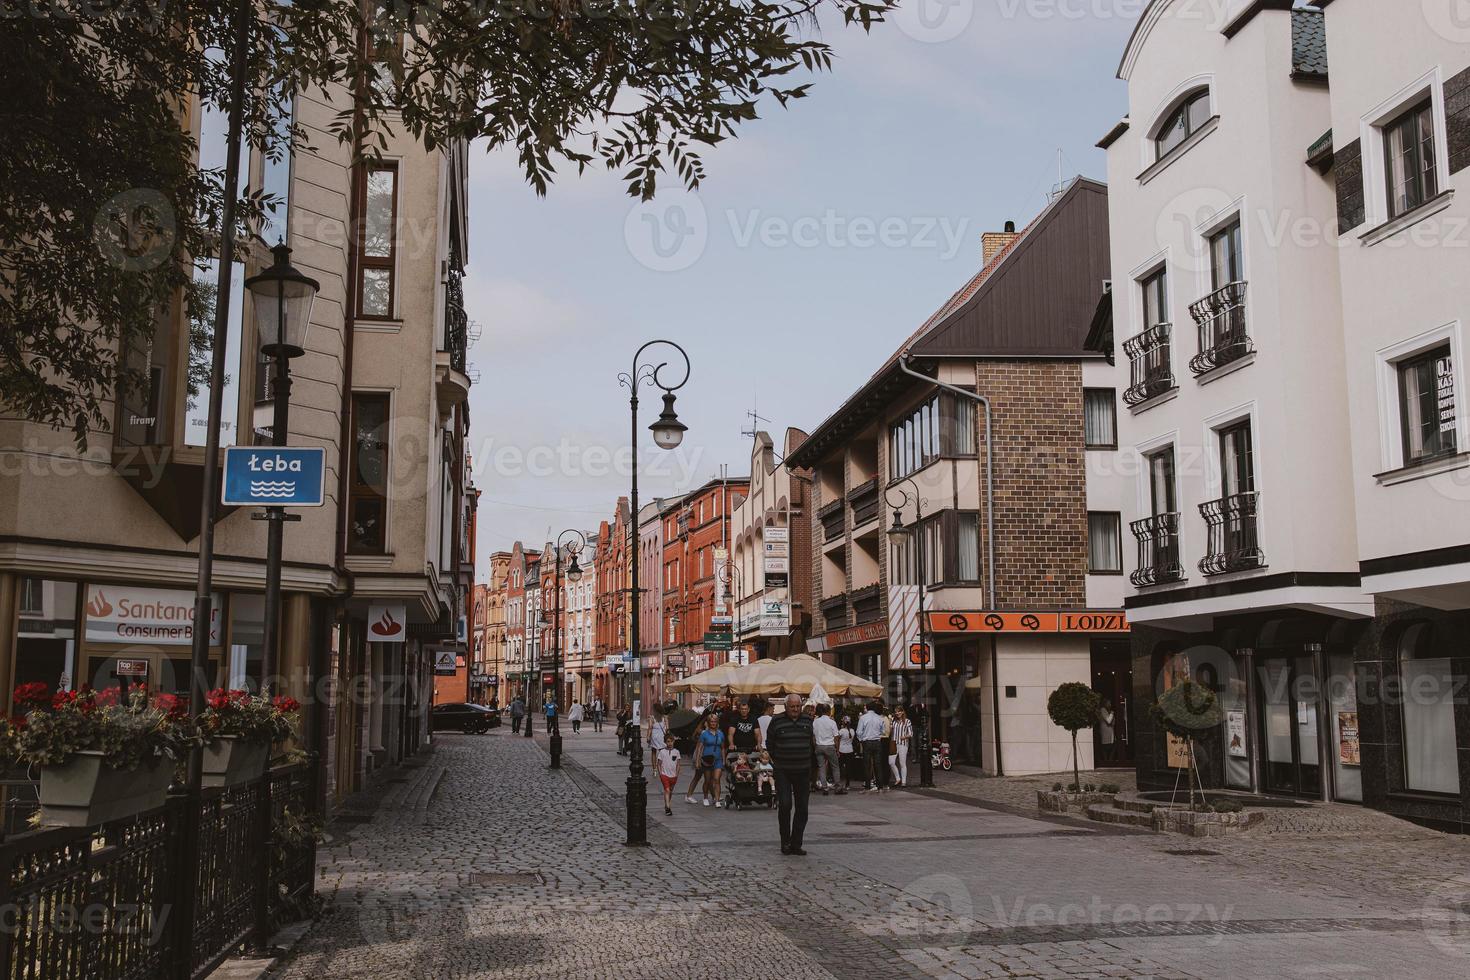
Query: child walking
[[668, 774]]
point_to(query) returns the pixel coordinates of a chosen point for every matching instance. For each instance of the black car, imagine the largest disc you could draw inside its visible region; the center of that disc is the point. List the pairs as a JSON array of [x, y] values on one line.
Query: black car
[[472, 719]]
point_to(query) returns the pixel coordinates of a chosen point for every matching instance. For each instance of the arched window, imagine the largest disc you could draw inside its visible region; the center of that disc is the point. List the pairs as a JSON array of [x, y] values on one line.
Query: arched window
[[1183, 122]]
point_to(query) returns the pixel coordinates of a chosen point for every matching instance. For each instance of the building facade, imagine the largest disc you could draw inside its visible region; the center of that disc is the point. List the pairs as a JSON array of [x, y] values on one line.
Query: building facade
[[911, 446], [612, 680], [772, 592], [696, 589], [98, 551]]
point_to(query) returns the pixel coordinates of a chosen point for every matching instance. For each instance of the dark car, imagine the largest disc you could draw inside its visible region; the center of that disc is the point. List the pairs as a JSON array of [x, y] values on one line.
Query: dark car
[[472, 719]]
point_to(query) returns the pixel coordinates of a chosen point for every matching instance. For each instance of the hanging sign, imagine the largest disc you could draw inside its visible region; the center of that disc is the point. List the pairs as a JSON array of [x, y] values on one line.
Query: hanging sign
[[159, 617], [387, 622], [445, 662], [274, 476]]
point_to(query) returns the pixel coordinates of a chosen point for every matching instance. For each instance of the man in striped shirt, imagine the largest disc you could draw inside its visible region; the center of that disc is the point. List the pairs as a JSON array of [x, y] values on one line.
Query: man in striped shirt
[[790, 742]]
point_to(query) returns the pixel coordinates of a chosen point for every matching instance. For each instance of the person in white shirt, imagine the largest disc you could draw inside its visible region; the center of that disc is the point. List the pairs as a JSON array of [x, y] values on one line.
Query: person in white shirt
[[846, 753], [870, 737], [668, 774], [898, 760], [824, 730], [764, 721]]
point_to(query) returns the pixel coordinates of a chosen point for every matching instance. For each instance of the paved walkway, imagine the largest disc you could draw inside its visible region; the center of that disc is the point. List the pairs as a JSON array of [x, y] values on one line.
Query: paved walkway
[[487, 864]]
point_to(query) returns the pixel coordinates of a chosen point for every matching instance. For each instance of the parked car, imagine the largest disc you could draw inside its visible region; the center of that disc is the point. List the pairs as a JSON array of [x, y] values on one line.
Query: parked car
[[457, 716]]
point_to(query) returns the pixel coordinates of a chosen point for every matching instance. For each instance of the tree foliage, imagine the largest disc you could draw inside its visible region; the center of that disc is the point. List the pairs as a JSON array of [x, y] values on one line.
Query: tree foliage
[[1074, 706], [103, 208]]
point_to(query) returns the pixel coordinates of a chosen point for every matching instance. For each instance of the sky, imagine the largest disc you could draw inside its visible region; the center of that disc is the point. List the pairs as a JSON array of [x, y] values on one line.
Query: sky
[[821, 238]]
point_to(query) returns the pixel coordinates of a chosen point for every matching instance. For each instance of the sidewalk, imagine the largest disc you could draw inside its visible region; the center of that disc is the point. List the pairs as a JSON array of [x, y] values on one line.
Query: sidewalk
[[510, 869]]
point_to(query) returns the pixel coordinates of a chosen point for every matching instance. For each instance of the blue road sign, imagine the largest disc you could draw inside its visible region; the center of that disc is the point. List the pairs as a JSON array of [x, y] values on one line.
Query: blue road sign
[[274, 476]]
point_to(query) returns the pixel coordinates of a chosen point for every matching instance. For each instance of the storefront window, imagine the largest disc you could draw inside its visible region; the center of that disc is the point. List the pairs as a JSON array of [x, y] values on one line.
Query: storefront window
[[247, 640], [1431, 762], [46, 642]]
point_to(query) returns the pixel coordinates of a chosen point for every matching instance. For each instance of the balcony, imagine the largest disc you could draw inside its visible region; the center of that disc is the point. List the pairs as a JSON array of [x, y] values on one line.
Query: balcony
[[1158, 550], [1222, 329], [867, 605], [833, 525], [450, 366], [864, 502], [1234, 543], [834, 611], [1152, 372]]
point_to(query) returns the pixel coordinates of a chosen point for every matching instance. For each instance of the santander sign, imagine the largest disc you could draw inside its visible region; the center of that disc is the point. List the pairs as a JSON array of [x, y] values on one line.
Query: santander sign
[[387, 623], [159, 617]]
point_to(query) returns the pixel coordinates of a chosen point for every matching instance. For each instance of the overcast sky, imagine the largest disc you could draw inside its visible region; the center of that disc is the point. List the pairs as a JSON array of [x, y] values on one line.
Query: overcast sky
[[822, 237]]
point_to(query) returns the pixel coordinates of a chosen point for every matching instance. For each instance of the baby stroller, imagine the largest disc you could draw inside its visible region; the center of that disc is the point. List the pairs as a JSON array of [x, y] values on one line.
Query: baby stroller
[[742, 784]]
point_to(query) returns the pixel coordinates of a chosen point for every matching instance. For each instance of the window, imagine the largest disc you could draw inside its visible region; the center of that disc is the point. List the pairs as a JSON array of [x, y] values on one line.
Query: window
[[1161, 481], [1182, 123], [950, 544], [942, 426], [46, 634], [1408, 146], [1155, 299], [1104, 543], [1427, 405], [1098, 419], [1237, 473], [377, 243], [1226, 265], [367, 492], [1431, 764]]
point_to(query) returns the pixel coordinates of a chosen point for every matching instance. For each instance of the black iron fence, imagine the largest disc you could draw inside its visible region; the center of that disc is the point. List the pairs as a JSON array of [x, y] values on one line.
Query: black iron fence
[[1158, 550], [100, 903], [1233, 539], [456, 324], [1222, 328], [1152, 371]]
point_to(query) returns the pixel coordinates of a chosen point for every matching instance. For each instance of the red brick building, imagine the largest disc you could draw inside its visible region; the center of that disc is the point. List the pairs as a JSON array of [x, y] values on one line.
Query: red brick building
[[611, 679], [697, 538]]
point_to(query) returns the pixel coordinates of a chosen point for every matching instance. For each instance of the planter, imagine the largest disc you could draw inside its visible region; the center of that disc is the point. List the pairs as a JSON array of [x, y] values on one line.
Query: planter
[[230, 761], [86, 790], [1181, 821], [1058, 802]]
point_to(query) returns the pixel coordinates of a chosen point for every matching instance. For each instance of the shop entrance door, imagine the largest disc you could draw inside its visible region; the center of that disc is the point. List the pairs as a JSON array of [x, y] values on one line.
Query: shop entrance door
[[1288, 713], [1112, 679]]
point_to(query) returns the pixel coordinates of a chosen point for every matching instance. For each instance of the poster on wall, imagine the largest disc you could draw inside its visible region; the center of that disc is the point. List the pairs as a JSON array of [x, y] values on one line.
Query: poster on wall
[[1235, 732], [157, 617], [386, 622], [1348, 752], [1445, 391], [1176, 671]]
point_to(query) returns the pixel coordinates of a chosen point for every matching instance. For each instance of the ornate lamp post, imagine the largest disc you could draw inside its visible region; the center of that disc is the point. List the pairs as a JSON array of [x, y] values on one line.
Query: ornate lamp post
[[283, 299], [733, 578], [668, 432], [899, 533], [574, 575]]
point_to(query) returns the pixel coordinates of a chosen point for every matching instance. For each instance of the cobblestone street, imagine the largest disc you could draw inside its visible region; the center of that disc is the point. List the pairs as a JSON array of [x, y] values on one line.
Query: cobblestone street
[[481, 862]]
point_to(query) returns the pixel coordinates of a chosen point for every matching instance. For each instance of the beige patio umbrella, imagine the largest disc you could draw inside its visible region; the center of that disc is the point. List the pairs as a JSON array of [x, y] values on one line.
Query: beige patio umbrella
[[707, 682], [798, 674]]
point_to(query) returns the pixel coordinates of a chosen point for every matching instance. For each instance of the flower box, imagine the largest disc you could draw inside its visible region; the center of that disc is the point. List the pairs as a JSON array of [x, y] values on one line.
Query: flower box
[[1060, 802], [230, 761], [85, 790]]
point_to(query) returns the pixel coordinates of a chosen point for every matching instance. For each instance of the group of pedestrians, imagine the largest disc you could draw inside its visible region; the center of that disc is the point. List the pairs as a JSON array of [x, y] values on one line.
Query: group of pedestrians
[[591, 711]]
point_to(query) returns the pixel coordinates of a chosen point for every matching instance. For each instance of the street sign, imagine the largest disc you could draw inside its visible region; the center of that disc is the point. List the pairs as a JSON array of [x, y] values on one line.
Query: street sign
[[273, 476], [919, 654], [718, 641], [444, 662]]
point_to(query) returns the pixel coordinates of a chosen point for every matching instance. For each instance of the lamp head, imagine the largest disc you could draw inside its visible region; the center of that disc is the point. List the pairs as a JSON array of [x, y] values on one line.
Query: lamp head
[[668, 431], [898, 531], [283, 298]]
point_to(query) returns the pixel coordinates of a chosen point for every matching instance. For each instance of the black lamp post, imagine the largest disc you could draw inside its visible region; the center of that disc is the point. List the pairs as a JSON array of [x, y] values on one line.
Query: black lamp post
[[899, 532], [574, 575], [283, 299], [733, 578], [668, 432]]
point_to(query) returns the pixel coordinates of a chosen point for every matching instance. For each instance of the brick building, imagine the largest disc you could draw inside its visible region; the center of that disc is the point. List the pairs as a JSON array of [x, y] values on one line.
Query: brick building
[[611, 678], [697, 541], [488, 642], [912, 441]]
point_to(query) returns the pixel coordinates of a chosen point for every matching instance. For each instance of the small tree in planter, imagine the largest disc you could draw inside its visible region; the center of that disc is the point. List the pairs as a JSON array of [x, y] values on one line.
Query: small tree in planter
[[101, 756], [1073, 706], [239, 729], [1188, 710]]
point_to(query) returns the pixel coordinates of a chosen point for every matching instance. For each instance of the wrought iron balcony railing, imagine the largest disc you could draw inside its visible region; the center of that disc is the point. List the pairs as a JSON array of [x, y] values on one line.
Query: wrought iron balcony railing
[[456, 323], [1152, 372], [1234, 542], [1158, 550], [1222, 328]]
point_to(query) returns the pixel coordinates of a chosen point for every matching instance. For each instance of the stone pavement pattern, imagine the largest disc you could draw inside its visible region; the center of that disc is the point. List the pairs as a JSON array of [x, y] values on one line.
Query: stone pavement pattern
[[481, 862]]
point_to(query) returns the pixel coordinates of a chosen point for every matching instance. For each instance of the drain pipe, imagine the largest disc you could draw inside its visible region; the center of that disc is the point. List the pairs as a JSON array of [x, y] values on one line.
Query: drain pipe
[[903, 363]]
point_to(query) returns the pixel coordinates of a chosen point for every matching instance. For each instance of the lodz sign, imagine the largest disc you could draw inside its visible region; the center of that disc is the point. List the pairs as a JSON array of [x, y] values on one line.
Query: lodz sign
[[273, 476]]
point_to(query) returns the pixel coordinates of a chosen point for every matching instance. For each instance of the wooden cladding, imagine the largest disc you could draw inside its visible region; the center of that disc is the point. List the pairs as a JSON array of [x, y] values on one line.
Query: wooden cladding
[[1351, 207]]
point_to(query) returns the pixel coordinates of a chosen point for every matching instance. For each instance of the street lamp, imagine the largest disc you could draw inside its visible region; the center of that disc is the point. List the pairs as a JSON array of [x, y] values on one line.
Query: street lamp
[[668, 432], [283, 298], [574, 574], [733, 578], [901, 533]]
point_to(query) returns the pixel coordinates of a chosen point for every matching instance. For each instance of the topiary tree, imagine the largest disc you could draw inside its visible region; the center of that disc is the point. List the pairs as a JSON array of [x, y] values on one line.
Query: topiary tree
[[1188, 710], [1073, 706]]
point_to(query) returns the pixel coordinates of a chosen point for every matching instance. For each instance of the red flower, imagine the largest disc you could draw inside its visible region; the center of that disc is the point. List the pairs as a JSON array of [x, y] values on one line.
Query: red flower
[[62, 698], [174, 707], [285, 704], [218, 699], [33, 694]]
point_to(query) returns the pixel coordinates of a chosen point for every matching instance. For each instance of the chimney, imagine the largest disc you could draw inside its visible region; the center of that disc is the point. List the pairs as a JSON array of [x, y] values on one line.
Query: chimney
[[994, 242]]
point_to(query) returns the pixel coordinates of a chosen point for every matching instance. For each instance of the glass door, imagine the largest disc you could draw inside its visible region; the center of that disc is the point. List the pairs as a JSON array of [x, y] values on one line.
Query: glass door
[[1289, 718]]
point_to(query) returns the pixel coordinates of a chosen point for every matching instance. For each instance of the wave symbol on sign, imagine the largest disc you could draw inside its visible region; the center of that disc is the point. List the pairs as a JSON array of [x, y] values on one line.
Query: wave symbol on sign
[[272, 488]]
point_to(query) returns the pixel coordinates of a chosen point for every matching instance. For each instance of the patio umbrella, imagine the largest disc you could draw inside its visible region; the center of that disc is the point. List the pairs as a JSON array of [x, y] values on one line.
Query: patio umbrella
[[798, 674], [707, 682]]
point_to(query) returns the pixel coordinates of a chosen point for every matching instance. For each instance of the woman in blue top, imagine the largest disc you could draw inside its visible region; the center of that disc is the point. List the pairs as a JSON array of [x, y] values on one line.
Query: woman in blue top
[[709, 757]]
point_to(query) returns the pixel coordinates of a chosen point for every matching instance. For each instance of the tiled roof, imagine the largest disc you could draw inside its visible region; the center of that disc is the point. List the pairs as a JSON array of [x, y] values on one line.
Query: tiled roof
[[1308, 43]]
